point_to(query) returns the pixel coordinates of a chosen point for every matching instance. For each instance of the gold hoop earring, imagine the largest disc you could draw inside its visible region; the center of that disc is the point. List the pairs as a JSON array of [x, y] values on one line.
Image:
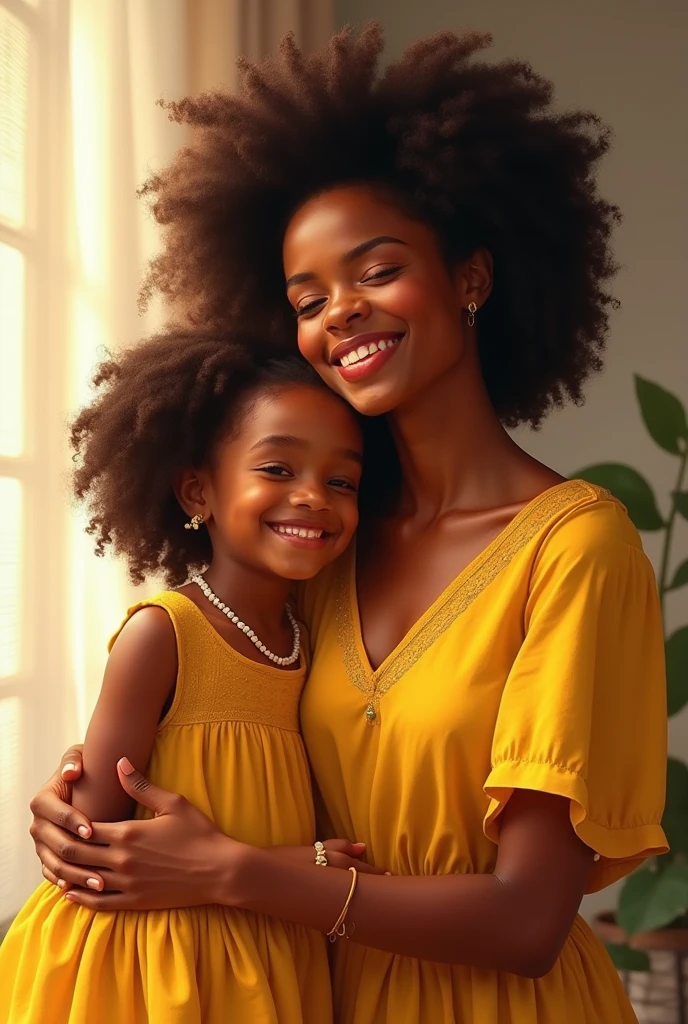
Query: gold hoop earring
[[472, 310], [194, 523]]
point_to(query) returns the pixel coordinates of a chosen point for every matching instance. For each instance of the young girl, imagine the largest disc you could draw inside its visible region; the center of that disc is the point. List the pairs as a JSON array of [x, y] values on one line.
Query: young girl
[[194, 456]]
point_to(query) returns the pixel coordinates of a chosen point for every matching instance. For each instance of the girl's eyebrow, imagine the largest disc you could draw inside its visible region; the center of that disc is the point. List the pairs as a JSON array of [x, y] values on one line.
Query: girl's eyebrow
[[348, 257], [289, 441]]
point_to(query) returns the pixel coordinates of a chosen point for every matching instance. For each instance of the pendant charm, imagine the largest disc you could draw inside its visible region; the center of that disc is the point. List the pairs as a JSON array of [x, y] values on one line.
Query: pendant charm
[[370, 713]]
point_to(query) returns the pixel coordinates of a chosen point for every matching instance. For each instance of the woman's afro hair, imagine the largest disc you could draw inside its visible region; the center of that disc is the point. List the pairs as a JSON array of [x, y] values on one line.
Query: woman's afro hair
[[473, 149], [161, 407]]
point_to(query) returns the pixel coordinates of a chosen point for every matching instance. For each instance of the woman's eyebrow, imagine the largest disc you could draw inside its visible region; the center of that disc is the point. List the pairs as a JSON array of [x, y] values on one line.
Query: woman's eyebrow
[[348, 257]]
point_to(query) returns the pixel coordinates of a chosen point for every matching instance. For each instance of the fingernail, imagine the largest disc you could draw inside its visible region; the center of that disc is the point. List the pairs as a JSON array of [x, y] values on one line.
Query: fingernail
[[362, 845], [61, 882], [84, 831], [69, 896], [125, 766], [93, 883], [388, 872], [69, 768]]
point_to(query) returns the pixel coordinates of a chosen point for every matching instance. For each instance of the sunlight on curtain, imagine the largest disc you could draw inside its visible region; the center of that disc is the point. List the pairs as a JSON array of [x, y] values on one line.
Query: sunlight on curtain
[[123, 57]]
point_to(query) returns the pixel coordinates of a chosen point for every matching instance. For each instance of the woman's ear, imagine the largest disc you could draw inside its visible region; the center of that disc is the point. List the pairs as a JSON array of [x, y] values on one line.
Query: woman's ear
[[474, 279], [189, 492]]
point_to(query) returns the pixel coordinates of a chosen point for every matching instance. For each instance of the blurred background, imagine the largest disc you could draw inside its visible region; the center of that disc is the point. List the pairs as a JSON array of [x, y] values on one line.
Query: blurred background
[[80, 130]]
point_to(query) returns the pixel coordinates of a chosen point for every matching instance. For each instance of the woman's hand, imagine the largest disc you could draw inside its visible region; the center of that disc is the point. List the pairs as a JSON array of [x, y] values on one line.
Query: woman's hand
[[176, 859], [55, 822], [340, 853]]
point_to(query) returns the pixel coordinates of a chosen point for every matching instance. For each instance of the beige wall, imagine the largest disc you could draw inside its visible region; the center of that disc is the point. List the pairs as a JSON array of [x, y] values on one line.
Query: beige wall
[[627, 60]]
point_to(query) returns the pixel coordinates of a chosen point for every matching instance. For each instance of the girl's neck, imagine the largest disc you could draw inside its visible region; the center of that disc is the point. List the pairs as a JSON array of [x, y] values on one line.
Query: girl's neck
[[257, 598], [454, 452]]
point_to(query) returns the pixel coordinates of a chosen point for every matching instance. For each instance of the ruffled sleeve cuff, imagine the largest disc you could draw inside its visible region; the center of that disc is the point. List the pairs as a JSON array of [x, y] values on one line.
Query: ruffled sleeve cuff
[[621, 850]]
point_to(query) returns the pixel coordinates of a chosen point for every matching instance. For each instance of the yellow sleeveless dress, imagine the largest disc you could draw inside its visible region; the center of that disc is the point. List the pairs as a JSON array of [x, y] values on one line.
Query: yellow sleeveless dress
[[231, 745], [540, 667]]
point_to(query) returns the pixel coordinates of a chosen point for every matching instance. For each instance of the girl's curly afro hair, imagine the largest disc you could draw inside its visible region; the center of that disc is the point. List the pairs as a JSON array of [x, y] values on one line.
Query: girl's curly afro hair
[[475, 150], [162, 406]]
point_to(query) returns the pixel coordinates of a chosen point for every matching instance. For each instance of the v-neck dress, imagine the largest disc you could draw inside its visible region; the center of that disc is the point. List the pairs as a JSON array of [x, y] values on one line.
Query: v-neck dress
[[540, 667]]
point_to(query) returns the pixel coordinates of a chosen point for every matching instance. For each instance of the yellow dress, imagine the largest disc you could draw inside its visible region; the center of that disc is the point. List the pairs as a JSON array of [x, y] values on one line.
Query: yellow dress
[[540, 667], [231, 744]]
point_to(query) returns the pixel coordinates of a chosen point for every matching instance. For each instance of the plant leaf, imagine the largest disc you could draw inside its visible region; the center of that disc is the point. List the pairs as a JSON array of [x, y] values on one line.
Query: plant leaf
[[626, 959], [653, 899], [677, 670], [664, 415], [680, 576], [630, 488], [675, 818], [681, 502]]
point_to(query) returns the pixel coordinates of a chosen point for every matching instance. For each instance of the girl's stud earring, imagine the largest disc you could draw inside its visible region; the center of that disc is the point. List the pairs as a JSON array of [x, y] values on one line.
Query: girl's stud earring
[[194, 523], [472, 310]]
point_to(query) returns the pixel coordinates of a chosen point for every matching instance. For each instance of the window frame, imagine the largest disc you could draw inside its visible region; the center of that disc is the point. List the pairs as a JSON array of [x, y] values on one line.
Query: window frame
[[41, 680]]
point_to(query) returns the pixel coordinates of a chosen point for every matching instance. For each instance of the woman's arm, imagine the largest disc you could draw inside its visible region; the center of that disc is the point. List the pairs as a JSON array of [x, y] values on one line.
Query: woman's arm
[[140, 674], [515, 919]]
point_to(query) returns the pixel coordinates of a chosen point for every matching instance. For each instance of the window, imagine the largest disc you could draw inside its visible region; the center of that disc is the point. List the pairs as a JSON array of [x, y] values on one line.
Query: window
[[29, 94]]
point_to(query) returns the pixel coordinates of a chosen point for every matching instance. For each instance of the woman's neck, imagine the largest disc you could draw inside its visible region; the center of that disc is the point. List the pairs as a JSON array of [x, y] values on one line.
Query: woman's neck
[[454, 452]]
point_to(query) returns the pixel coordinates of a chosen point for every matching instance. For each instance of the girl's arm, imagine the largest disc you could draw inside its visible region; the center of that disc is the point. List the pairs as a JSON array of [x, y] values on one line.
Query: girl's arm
[[139, 675]]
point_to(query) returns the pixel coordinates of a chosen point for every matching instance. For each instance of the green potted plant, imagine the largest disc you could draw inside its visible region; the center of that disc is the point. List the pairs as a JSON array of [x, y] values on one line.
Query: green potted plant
[[652, 911]]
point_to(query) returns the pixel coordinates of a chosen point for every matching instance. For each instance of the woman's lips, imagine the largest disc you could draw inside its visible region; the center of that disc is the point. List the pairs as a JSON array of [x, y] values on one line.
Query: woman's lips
[[368, 357]]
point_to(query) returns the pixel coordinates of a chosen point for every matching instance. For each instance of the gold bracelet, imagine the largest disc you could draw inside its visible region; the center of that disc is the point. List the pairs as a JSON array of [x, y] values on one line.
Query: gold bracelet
[[339, 930], [320, 855]]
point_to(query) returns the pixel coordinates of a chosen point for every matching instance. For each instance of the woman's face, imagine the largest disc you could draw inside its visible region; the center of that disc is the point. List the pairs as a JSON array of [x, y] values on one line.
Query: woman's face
[[379, 313]]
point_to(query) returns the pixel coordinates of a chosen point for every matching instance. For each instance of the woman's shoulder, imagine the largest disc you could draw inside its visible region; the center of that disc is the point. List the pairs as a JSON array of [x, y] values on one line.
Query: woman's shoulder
[[588, 518], [588, 532]]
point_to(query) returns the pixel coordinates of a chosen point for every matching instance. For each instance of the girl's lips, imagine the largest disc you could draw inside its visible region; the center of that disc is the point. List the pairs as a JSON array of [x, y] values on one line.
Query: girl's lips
[[370, 364]]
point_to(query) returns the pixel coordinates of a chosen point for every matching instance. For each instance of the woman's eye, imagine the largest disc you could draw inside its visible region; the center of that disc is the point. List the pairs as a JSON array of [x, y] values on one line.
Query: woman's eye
[[310, 307], [381, 274]]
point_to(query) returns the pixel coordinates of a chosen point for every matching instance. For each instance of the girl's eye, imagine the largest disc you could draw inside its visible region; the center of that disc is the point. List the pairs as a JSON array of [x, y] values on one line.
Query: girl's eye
[[310, 307], [381, 274], [275, 470], [346, 484]]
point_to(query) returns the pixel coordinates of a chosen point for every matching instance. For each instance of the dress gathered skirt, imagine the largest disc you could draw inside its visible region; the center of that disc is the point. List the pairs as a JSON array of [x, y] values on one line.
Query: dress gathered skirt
[[231, 745]]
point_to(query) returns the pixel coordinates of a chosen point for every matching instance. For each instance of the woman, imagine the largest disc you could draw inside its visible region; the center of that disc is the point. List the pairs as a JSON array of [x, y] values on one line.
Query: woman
[[487, 661]]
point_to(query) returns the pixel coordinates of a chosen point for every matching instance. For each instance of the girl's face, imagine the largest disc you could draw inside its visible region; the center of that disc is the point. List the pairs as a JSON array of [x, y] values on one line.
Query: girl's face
[[281, 495], [379, 313]]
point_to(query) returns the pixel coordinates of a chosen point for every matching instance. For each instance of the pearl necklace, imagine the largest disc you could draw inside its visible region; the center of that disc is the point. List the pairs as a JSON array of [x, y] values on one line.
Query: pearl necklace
[[226, 610]]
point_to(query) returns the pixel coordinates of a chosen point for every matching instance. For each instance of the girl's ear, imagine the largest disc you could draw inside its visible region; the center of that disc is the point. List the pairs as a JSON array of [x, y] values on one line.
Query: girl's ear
[[188, 490]]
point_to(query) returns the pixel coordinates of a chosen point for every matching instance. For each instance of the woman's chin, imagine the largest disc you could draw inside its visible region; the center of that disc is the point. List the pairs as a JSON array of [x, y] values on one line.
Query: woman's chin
[[375, 399]]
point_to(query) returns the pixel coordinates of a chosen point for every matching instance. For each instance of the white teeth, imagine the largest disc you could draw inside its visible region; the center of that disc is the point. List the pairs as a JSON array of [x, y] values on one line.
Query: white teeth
[[363, 351], [298, 531]]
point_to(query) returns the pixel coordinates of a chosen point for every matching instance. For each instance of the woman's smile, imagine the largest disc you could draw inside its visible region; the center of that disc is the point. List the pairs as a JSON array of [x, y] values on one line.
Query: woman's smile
[[364, 355]]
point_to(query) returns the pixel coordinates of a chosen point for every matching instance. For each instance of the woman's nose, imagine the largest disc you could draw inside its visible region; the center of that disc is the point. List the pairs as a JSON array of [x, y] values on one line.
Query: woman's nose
[[345, 310]]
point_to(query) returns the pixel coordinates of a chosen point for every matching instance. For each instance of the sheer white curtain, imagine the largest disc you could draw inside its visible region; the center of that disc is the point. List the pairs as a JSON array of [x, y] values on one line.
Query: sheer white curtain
[[79, 132]]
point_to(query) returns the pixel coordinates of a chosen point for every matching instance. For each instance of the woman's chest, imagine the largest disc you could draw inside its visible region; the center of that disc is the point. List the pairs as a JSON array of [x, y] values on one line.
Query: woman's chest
[[400, 579], [442, 682]]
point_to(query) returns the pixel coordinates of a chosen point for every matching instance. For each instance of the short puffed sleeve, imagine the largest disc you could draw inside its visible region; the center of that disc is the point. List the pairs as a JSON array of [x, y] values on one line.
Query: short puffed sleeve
[[583, 711]]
